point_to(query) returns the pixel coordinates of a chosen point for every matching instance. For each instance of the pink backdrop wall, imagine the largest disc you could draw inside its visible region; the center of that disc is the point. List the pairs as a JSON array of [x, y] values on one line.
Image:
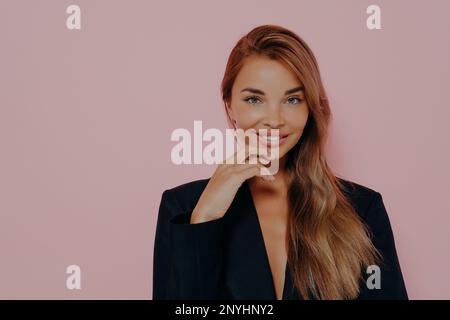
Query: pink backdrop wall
[[86, 117]]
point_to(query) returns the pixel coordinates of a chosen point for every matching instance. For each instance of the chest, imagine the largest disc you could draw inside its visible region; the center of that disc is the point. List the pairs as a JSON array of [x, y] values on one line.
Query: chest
[[272, 214]]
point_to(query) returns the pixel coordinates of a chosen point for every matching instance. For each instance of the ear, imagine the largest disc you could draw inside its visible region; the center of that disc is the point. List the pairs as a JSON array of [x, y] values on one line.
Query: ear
[[229, 112], [230, 116]]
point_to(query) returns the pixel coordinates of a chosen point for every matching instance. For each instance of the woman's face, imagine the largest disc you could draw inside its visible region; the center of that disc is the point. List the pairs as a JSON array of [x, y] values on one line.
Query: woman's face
[[267, 95]]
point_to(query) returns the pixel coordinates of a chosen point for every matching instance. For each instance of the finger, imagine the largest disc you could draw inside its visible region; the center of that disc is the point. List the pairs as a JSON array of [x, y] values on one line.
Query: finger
[[238, 168], [256, 170], [247, 152], [237, 157], [255, 159]]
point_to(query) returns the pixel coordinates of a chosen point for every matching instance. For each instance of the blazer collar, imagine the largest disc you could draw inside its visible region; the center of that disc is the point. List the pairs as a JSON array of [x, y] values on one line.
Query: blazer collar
[[247, 269]]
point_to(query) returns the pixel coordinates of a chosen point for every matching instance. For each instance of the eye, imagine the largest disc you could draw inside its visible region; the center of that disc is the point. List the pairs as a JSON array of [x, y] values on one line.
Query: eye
[[294, 100], [252, 100]]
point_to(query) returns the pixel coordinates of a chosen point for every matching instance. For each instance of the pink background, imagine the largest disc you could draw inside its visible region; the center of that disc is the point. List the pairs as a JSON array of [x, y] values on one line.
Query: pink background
[[86, 118]]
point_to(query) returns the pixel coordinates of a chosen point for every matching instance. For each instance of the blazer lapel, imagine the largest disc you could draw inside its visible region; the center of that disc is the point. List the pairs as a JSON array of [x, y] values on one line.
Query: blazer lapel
[[247, 271]]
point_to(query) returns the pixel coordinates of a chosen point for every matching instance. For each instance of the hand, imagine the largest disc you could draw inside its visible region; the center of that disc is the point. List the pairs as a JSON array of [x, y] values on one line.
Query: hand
[[225, 182]]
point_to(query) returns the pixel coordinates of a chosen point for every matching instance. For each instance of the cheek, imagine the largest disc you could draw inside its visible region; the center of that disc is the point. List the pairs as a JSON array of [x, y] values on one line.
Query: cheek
[[297, 122], [246, 116], [297, 118]]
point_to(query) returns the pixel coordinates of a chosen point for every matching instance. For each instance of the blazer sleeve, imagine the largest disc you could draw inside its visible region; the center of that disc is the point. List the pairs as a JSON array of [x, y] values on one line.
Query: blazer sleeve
[[187, 258], [392, 283]]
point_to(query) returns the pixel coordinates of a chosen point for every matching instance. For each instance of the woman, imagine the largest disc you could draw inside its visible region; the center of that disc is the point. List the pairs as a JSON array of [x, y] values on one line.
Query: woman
[[302, 233]]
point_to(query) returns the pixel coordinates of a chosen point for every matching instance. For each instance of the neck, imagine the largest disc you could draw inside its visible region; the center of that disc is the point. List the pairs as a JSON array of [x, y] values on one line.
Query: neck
[[278, 186]]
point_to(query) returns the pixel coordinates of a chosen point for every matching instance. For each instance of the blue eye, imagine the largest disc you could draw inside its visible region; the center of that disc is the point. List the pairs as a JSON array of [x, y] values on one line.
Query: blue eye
[[296, 100], [252, 100]]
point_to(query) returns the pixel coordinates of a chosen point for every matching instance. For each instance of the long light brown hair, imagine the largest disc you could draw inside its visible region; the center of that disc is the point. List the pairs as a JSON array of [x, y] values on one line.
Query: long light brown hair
[[328, 244]]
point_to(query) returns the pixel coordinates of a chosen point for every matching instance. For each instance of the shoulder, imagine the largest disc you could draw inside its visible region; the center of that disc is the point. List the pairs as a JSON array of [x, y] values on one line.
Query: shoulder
[[369, 205], [363, 198], [189, 189], [185, 195]]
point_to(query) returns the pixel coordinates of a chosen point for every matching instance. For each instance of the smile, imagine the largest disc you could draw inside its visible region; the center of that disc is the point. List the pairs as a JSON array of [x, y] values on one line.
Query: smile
[[272, 141]]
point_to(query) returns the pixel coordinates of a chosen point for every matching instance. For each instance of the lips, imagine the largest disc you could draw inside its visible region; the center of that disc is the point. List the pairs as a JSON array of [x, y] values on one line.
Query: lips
[[272, 140]]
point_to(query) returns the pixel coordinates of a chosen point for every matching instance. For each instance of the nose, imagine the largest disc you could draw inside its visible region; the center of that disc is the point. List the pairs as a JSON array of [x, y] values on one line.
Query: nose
[[274, 118]]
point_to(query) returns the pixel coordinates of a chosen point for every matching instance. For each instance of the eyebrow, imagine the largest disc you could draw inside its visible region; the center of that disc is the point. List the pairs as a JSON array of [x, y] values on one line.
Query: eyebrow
[[290, 91]]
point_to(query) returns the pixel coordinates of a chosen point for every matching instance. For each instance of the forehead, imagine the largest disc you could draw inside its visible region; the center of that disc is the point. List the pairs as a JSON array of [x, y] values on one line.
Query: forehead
[[265, 74]]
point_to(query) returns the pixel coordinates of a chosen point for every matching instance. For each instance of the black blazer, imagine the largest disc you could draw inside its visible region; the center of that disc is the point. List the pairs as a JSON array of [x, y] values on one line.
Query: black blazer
[[226, 258]]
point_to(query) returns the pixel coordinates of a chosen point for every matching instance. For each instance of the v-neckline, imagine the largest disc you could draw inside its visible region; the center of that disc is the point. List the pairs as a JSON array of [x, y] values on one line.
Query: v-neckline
[[266, 255]]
